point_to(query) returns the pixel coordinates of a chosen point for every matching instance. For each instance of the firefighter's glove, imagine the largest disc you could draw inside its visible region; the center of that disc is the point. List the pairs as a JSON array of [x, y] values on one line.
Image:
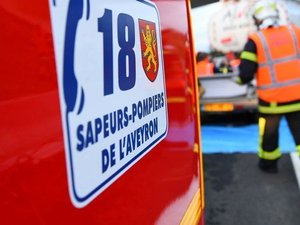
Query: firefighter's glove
[[237, 80]]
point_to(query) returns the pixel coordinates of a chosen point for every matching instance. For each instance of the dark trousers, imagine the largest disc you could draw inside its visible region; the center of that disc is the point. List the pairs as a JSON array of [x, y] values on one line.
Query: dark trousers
[[270, 136]]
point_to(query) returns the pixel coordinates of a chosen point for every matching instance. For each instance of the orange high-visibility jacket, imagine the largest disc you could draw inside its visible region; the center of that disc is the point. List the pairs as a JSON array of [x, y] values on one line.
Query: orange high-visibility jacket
[[278, 58], [205, 68]]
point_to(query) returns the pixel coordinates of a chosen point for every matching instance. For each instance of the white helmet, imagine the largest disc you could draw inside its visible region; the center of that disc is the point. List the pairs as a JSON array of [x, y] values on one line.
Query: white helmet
[[265, 14]]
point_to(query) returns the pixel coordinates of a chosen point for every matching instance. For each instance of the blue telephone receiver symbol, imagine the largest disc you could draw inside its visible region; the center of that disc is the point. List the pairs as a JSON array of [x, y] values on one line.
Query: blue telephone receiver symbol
[[70, 82]]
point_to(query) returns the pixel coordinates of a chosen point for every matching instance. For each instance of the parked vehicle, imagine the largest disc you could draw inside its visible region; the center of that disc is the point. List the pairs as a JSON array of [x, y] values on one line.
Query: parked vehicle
[[223, 95]]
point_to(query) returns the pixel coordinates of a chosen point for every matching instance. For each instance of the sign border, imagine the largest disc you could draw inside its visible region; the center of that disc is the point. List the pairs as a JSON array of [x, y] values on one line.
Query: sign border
[[79, 201]]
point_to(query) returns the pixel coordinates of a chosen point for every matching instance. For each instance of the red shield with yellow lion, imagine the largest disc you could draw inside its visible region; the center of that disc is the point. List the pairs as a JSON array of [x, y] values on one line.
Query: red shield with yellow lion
[[149, 48]]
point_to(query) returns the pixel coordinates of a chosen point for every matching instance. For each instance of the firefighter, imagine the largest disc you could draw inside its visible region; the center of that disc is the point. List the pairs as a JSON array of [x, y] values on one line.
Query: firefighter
[[204, 65], [272, 55]]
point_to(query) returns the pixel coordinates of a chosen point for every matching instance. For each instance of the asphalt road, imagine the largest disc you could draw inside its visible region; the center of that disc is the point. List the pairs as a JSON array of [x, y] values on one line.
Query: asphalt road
[[238, 193]]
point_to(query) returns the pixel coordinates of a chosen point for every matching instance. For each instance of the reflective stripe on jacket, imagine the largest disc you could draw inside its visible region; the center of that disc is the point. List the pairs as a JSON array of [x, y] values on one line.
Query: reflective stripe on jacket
[[278, 58]]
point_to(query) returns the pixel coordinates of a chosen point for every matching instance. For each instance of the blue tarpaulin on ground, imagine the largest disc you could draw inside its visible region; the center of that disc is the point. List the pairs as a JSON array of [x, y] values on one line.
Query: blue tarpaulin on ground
[[240, 139]]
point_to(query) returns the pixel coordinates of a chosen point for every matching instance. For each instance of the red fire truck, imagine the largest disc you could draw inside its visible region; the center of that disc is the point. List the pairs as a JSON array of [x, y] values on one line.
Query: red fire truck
[[99, 113]]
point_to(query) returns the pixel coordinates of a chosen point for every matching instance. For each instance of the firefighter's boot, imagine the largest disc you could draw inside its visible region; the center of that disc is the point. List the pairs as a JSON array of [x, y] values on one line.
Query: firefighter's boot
[[269, 166]]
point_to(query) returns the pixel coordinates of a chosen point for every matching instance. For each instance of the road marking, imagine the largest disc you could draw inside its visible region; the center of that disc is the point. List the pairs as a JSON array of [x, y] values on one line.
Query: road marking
[[296, 163]]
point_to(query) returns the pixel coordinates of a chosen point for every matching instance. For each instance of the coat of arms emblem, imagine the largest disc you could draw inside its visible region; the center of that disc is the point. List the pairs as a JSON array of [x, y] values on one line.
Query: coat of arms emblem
[[149, 48]]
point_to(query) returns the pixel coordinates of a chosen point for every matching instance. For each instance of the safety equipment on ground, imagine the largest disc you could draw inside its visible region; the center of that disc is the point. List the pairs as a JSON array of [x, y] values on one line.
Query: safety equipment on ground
[[265, 14], [278, 67]]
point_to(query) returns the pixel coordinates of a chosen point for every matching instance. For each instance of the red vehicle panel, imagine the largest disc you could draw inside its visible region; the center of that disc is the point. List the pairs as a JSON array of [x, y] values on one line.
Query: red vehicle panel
[[163, 187]]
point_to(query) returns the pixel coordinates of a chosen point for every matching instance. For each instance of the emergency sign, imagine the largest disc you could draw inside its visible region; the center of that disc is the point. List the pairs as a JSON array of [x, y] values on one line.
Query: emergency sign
[[111, 87]]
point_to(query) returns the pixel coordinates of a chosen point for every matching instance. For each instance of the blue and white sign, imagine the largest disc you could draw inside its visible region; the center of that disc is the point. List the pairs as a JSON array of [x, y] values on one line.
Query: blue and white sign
[[111, 86]]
